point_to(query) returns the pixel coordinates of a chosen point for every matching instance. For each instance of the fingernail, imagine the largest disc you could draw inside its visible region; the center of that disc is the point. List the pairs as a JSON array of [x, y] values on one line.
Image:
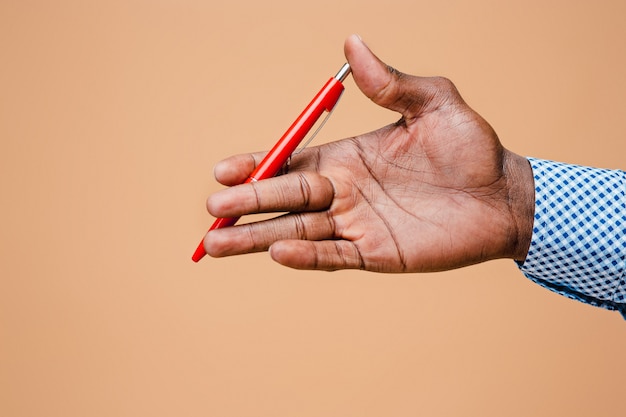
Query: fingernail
[[361, 40]]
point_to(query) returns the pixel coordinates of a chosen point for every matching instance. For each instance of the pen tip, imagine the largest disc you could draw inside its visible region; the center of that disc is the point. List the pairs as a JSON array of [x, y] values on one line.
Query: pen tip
[[199, 253]]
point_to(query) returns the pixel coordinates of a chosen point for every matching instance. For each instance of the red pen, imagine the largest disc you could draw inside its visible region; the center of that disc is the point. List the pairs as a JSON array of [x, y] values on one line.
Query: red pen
[[325, 100]]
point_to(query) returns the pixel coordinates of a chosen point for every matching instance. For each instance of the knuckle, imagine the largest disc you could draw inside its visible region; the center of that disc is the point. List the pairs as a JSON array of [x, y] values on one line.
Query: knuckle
[[257, 202], [315, 192], [300, 227], [443, 83], [305, 190], [250, 240], [441, 91], [445, 88]]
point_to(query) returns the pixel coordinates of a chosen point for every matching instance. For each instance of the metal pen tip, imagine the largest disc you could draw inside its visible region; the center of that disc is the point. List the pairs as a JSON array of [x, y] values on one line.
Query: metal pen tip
[[343, 72]]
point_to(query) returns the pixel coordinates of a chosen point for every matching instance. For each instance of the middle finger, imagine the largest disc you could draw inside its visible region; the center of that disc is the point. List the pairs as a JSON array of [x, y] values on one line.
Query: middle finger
[[295, 192]]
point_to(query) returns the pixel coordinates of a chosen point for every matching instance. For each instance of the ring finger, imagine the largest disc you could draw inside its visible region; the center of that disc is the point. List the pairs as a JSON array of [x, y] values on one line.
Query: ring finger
[[259, 236]]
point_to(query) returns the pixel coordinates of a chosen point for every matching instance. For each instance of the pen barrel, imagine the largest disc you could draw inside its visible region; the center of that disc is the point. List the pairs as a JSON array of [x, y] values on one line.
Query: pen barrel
[[223, 222], [325, 100]]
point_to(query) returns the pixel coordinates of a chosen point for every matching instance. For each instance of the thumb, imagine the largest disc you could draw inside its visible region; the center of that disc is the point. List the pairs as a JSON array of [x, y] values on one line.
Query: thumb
[[406, 94]]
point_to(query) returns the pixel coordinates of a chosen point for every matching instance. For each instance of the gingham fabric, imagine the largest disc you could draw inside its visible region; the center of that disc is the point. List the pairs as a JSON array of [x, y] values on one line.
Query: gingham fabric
[[578, 246]]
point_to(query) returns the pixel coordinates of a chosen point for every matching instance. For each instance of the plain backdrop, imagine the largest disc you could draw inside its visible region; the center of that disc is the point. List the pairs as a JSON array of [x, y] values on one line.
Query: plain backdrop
[[112, 115]]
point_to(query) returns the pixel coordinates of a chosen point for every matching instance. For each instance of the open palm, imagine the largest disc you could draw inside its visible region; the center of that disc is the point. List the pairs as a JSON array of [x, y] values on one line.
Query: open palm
[[430, 192]]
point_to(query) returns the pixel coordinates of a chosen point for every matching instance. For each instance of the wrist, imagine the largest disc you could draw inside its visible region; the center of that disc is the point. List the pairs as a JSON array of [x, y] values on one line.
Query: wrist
[[521, 202]]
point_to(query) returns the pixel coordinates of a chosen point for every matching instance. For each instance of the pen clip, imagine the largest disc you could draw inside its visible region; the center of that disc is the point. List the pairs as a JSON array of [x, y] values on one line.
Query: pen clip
[[306, 142]]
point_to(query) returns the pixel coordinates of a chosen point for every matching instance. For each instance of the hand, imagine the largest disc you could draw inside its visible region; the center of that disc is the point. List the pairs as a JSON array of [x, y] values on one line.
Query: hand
[[434, 191]]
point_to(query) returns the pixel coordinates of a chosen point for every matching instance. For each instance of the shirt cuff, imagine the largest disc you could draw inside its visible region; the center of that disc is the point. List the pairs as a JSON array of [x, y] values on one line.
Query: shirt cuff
[[578, 247]]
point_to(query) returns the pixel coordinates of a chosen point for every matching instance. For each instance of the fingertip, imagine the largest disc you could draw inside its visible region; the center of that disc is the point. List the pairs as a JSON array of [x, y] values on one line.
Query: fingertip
[[210, 205], [358, 53], [353, 41], [218, 244], [370, 73], [220, 171], [276, 252], [287, 253], [234, 170]]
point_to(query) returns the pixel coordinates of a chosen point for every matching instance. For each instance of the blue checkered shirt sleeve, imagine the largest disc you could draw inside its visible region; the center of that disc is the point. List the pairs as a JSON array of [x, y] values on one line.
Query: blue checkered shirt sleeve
[[578, 246]]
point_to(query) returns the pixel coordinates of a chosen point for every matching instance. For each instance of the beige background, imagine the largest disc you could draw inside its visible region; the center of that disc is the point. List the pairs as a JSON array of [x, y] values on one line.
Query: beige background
[[112, 114]]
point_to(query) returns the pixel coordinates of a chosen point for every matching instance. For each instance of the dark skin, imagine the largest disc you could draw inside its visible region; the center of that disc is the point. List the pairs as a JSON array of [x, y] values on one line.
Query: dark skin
[[434, 191]]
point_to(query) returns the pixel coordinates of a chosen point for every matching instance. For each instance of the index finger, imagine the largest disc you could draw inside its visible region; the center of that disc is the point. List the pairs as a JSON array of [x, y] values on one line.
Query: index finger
[[236, 169]]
